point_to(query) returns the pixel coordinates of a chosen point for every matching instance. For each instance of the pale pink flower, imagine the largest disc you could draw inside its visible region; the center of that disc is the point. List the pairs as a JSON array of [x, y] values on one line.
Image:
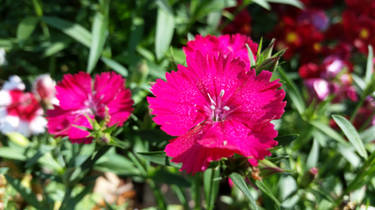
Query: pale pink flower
[[217, 107], [80, 97]]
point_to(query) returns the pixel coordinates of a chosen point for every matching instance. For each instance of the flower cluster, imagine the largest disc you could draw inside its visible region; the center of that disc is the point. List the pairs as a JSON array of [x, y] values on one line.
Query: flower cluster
[[358, 24], [22, 111], [220, 107], [81, 99], [323, 40], [332, 77]]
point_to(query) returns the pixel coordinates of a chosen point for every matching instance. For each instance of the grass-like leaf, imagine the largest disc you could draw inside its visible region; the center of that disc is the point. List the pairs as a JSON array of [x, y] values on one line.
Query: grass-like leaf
[[370, 65], [351, 133], [164, 32], [241, 184]]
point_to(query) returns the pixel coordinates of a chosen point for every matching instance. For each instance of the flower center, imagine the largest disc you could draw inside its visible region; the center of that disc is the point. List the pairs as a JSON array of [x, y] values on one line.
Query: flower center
[[218, 111], [364, 33]]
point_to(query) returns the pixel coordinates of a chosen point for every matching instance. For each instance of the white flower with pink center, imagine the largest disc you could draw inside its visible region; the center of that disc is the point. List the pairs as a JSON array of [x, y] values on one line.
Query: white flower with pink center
[[20, 111]]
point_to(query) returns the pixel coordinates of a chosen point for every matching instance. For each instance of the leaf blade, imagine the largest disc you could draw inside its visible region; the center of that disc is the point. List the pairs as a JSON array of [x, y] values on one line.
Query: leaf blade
[[164, 32], [351, 133], [75, 31], [241, 184], [99, 35]]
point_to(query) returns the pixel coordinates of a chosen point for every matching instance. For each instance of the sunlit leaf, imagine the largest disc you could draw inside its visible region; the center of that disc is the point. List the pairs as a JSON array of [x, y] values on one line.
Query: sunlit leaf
[[164, 32], [239, 181], [351, 133]]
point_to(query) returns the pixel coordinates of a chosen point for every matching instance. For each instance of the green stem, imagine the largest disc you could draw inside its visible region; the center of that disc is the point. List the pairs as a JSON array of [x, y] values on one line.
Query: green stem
[[181, 196], [87, 167], [196, 191], [359, 104], [89, 163], [162, 205], [360, 176]]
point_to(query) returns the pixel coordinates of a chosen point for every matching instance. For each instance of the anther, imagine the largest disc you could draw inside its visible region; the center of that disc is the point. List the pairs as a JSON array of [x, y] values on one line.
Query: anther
[[213, 107], [225, 142], [226, 108], [222, 93]]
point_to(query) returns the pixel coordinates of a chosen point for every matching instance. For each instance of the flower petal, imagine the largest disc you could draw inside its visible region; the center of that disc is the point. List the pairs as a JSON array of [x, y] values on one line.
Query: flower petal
[[74, 91]]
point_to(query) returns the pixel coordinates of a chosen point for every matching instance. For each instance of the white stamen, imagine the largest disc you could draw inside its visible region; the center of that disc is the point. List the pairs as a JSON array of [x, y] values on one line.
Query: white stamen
[[222, 93], [212, 100], [212, 107], [225, 142], [226, 108]]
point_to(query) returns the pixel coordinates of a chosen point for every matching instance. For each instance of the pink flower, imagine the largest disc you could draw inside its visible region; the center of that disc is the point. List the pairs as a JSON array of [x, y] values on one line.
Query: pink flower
[[216, 107], [20, 111], [320, 88], [81, 97], [44, 88], [224, 45]]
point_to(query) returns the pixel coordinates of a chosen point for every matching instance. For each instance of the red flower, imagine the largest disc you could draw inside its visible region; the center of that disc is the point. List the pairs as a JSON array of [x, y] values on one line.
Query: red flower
[[81, 97], [218, 108]]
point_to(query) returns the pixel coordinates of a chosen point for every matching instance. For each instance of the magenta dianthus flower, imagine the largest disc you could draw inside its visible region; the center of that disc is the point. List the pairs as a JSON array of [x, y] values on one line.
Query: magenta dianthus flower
[[81, 97], [217, 107], [225, 45]]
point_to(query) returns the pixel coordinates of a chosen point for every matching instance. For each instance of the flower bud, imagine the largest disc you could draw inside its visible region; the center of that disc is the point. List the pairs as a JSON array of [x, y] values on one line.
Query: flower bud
[[44, 89]]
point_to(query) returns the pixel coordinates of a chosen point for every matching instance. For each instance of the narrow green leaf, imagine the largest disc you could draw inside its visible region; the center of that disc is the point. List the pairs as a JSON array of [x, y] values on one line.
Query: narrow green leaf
[[313, 157], [6, 43], [263, 3], [54, 48], [18, 138], [251, 55], [292, 91], [11, 153], [359, 82], [329, 132], [99, 35], [269, 50], [163, 4], [158, 157], [351, 133], [241, 184], [112, 162], [369, 66], [26, 28], [73, 30], [49, 161], [164, 32], [295, 3], [266, 190], [38, 7], [211, 186], [115, 66], [190, 37], [26, 194], [181, 195], [348, 152]]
